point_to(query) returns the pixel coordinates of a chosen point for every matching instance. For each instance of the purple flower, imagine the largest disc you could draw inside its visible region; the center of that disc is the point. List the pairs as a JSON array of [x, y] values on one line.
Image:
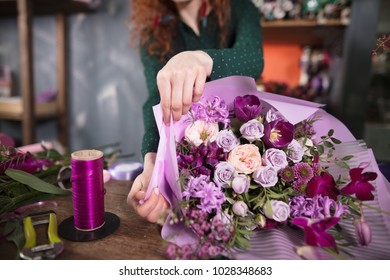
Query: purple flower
[[323, 185], [25, 162], [315, 231], [276, 158], [223, 174], [360, 185], [363, 232], [227, 140], [211, 111], [266, 176], [252, 130], [211, 197], [318, 207], [247, 107], [287, 174], [278, 134], [192, 186], [241, 184], [303, 171], [295, 151], [215, 154], [240, 208]]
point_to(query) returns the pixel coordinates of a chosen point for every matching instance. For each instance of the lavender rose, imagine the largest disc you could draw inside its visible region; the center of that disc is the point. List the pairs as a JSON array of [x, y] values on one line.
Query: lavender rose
[[266, 176], [252, 130], [240, 208], [241, 184], [276, 158], [279, 210], [223, 174], [247, 107], [295, 151], [227, 140], [278, 133]]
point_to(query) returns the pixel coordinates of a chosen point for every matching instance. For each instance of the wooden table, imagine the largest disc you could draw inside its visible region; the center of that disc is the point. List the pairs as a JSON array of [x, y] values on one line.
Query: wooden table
[[135, 239]]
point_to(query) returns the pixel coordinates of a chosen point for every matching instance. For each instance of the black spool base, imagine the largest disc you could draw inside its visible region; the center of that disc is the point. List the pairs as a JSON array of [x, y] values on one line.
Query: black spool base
[[68, 231]]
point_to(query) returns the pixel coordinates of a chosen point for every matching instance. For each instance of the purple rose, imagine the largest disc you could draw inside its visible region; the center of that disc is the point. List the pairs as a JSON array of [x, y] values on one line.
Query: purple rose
[[247, 107], [240, 184], [266, 176], [278, 133], [223, 174], [252, 130], [227, 140], [295, 151], [279, 210], [240, 208], [276, 158]]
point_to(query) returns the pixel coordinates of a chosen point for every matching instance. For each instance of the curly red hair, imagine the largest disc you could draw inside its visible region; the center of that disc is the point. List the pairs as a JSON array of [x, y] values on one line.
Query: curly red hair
[[145, 16]]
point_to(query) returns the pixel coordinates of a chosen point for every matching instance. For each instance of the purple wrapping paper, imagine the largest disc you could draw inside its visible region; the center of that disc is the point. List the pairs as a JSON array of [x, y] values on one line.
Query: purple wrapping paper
[[165, 175]]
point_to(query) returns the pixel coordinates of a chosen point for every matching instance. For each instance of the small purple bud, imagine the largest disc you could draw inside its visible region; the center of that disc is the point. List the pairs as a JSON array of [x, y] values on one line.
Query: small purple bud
[[363, 232]]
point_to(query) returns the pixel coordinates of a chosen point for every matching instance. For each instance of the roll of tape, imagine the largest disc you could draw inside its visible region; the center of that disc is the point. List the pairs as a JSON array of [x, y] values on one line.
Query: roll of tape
[[125, 171]]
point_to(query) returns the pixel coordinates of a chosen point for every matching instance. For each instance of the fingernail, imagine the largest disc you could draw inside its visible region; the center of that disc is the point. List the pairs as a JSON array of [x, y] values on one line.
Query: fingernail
[[156, 191]]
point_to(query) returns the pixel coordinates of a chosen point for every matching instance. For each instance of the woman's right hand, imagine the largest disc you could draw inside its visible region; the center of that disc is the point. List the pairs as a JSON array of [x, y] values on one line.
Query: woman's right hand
[[154, 208]]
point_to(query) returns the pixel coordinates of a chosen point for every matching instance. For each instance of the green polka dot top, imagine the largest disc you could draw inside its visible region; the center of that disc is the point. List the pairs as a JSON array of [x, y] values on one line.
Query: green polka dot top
[[242, 56]]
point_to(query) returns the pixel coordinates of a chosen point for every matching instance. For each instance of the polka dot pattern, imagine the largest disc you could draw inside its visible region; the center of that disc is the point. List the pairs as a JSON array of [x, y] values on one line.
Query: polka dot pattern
[[243, 56]]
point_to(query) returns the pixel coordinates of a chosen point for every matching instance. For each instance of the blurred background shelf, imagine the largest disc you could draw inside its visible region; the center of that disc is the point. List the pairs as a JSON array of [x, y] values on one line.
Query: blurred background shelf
[[45, 7], [27, 111]]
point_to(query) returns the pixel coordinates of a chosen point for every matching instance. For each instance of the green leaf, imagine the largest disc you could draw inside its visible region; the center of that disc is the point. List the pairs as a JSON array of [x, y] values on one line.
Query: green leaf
[[335, 140], [328, 144], [320, 149], [34, 182], [347, 158], [331, 132]]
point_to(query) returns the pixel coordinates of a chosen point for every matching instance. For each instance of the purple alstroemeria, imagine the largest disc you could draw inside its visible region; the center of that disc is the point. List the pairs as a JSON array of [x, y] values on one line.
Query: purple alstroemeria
[[25, 162], [247, 107], [324, 185], [315, 231], [278, 133], [360, 185]]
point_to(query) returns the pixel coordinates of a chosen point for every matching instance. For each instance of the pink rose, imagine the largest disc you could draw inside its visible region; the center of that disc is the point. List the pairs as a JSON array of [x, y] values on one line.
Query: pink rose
[[245, 158], [201, 132]]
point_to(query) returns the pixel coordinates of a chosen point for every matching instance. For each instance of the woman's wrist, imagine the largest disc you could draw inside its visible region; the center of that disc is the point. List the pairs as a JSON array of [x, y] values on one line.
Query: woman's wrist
[[149, 161], [206, 61]]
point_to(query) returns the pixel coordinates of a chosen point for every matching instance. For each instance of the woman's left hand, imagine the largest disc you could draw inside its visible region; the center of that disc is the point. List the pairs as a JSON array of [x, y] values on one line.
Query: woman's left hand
[[181, 81]]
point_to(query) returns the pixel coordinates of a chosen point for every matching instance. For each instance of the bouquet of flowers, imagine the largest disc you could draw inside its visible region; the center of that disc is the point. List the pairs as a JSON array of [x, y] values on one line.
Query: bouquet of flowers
[[240, 165]]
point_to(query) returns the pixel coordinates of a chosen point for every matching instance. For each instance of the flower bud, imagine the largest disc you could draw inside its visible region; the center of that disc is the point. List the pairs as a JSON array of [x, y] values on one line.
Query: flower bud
[[240, 208], [363, 232], [241, 184]]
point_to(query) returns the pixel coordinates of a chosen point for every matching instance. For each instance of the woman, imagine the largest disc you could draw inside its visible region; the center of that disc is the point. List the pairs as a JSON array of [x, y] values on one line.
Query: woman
[[185, 43]]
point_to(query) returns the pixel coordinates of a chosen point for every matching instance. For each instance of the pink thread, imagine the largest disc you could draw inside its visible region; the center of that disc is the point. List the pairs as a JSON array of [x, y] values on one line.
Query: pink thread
[[88, 193]]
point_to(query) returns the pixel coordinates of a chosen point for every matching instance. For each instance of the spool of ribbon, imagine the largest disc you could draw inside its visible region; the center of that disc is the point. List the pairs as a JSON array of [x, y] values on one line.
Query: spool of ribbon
[[88, 189], [90, 221], [125, 171]]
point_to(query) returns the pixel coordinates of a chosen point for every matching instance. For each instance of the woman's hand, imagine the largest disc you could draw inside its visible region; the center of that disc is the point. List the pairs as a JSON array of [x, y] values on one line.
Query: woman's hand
[[154, 208], [181, 81]]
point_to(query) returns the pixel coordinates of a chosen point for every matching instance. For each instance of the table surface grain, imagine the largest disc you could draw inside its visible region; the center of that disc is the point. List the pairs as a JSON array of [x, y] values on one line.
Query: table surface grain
[[135, 239]]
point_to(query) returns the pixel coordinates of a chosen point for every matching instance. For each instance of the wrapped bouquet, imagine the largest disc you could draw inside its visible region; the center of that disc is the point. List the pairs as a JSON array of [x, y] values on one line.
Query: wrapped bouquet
[[257, 175]]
